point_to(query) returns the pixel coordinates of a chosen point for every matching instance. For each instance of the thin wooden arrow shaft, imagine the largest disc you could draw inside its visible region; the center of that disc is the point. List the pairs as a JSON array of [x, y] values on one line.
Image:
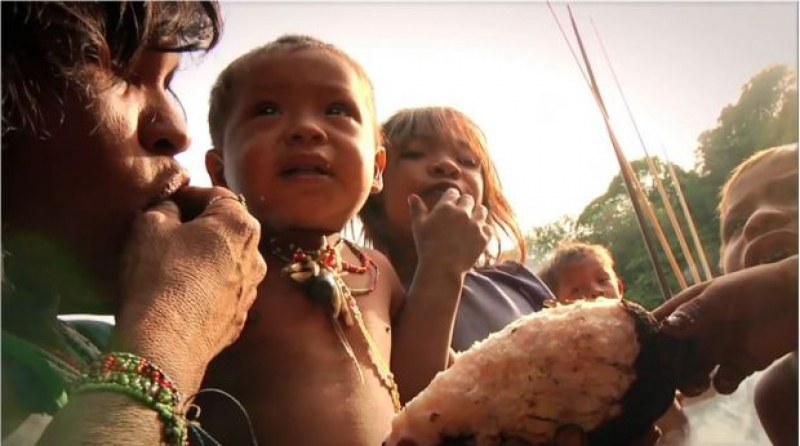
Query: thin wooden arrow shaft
[[625, 169], [653, 171]]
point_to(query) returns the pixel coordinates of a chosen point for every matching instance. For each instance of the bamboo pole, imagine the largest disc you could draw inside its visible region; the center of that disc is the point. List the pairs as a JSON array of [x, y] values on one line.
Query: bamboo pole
[[630, 182], [662, 238], [674, 222], [687, 253], [698, 245]]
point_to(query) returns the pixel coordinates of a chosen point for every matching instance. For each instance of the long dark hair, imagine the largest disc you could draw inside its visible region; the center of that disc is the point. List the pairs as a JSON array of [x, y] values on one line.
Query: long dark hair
[[48, 46]]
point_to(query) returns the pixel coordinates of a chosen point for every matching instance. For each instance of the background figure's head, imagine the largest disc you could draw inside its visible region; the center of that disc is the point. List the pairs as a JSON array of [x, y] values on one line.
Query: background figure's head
[[294, 129], [581, 271], [428, 150], [90, 126], [758, 210]]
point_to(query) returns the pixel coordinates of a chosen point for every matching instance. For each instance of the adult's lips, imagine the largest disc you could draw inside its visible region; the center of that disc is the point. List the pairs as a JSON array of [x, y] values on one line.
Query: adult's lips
[[169, 182]]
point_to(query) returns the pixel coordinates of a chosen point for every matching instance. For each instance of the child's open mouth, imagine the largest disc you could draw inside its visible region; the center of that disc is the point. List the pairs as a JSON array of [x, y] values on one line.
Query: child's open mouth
[[437, 190], [305, 171], [307, 165]]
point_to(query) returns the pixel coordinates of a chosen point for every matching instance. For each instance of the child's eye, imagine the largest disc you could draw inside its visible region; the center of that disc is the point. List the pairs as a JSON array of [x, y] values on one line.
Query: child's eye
[[338, 110], [268, 108], [732, 227], [469, 162]]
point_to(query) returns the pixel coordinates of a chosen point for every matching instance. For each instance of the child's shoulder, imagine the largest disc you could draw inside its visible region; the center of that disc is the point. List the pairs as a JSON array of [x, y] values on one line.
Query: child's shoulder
[[378, 257], [385, 270], [388, 280]]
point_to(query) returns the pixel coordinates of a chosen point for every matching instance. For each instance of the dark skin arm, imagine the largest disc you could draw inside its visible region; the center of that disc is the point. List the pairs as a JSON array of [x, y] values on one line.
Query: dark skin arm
[[742, 321], [777, 413], [449, 239], [103, 419]]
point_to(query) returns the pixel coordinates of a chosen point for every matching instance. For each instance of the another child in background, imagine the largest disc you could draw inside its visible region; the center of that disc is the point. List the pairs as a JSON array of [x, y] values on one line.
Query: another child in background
[[436, 156], [294, 130], [577, 270], [746, 320]]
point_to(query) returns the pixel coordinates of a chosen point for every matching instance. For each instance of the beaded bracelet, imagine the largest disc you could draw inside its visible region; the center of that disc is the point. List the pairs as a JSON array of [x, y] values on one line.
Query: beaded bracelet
[[143, 381]]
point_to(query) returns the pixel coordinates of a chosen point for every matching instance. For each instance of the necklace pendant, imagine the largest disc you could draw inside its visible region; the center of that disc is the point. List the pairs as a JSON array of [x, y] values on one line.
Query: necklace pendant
[[324, 289], [302, 270]]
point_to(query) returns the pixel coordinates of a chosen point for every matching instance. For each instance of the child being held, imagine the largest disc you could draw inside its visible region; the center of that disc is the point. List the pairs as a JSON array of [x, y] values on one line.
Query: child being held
[[294, 130]]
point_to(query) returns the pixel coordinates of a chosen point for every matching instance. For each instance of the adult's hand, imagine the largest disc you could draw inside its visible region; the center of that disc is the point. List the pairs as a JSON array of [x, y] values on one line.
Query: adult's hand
[[741, 322], [188, 281]]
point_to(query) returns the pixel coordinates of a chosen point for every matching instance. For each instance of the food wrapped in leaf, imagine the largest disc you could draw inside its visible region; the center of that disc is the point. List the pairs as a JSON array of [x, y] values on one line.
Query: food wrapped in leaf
[[600, 365]]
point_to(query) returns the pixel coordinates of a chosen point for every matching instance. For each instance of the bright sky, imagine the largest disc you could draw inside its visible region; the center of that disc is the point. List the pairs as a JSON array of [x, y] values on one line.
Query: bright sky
[[507, 66]]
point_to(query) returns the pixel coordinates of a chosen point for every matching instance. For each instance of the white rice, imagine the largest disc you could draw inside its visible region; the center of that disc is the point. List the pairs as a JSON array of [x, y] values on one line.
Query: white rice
[[565, 365]]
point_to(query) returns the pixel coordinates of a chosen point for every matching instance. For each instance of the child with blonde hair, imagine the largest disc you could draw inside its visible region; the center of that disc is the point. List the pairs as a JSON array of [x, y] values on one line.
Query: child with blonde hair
[[295, 131], [746, 320]]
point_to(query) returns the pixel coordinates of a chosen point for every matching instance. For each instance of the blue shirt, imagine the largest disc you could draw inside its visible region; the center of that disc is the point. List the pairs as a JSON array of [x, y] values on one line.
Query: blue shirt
[[494, 296]]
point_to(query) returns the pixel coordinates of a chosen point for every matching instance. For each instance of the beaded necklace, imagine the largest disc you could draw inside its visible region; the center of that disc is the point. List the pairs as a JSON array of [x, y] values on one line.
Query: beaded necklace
[[320, 273], [316, 271]]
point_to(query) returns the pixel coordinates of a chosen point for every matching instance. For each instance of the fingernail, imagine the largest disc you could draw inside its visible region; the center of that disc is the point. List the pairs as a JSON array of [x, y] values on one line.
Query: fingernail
[[726, 387], [726, 383], [695, 388], [677, 322]]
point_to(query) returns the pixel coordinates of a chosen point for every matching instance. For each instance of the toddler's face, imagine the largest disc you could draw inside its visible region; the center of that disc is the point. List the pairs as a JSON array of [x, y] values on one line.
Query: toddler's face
[[587, 278], [300, 141], [760, 222]]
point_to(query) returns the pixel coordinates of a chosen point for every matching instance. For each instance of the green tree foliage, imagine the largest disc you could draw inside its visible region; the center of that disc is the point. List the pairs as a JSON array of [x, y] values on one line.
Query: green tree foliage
[[610, 220], [764, 116], [541, 240]]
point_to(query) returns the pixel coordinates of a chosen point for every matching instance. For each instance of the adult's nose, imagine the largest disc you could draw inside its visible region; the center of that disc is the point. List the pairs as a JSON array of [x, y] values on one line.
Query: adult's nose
[[163, 129]]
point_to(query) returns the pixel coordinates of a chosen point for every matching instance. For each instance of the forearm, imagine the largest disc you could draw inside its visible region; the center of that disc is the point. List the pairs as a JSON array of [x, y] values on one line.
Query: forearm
[[125, 399], [776, 401], [104, 418], [790, 270], [424, 329]]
